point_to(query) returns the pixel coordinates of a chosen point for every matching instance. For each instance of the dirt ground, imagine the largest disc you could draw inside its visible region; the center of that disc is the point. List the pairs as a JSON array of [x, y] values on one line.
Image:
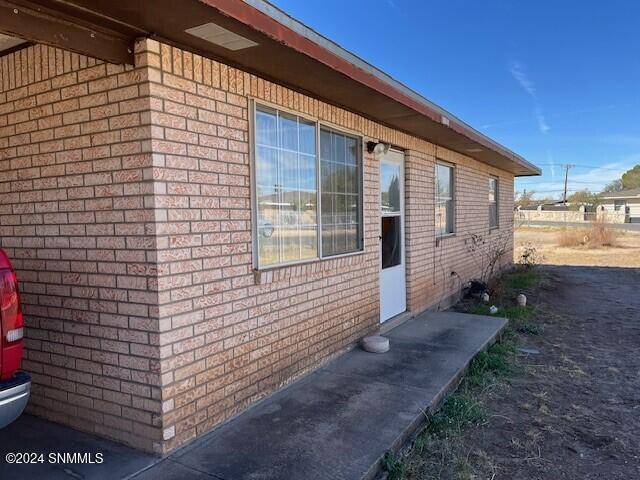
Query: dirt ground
[[626, 253], [571, 411]]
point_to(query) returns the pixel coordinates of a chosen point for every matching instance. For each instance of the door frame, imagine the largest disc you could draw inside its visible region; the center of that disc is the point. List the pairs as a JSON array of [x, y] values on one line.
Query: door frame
[[402, 160]]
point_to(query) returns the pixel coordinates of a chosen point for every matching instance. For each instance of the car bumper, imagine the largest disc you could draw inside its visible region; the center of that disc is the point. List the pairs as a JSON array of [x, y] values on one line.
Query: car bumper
[[14, 395]]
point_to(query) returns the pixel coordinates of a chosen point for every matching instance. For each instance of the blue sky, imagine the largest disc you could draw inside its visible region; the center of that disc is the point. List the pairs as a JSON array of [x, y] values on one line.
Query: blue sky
[[556, 81]]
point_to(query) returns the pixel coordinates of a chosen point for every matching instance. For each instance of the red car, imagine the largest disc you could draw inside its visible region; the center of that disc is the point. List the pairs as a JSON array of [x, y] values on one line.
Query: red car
[[14, 385]]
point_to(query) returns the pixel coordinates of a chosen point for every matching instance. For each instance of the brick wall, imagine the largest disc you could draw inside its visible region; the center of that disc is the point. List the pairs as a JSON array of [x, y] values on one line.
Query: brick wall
[[74, 158], [166, 330], [232, 335]]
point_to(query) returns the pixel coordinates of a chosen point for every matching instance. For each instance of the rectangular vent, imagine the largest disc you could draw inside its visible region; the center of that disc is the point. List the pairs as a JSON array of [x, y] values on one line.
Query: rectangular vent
[[220, 36]]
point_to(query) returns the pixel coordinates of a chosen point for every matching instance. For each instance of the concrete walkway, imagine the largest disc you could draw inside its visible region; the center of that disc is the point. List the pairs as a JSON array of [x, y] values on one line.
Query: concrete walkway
[[339, 421], [37, 436], [335, 423]]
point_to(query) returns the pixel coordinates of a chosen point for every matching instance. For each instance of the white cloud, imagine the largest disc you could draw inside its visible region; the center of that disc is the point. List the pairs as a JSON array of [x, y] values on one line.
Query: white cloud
[[518, 72], [543, 126]]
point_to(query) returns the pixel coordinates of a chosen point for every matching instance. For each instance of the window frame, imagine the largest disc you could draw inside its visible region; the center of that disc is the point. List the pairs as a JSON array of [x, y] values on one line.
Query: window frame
[[451, 166], [254, 104], [619, 205], [496, 201]]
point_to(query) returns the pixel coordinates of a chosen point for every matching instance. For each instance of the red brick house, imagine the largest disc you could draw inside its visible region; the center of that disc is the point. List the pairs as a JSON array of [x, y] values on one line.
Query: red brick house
[[203, 206]]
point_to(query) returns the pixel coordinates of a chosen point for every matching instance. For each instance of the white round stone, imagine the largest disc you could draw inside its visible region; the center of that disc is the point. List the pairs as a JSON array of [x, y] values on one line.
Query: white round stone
[[375, 344]]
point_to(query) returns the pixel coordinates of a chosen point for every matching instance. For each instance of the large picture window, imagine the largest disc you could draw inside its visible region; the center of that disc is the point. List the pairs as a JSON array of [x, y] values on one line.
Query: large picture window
[[493, 202], [292, 173], [444, 199]]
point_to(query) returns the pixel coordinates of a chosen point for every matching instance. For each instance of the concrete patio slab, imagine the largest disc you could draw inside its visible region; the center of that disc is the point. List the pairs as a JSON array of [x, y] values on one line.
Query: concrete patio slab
[[30, 434], [340, 420]]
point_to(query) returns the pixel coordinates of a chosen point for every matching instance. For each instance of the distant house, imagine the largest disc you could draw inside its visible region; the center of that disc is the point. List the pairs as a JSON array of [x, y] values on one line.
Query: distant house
[[627, 201]]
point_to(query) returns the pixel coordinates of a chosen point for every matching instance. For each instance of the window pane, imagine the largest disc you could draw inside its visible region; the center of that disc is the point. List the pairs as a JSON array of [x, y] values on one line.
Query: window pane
[[391, 245], [328, 247], [353, 209], [493, 215], [308, 137], [308, 242], [290, 243], [390, 187], [341, 194], [493, 202], [286, 188], [268, 199], [307, 172], [351, 178], [351, 240], [289, 200], [444, 214], [441, 218], [339, 154], [327, 209], [308, 208], [340, 241], [268, 244], [267, 166], [351, 151], [325, 145], [288, 132], [327, 176], [266, 128], [444, 182]]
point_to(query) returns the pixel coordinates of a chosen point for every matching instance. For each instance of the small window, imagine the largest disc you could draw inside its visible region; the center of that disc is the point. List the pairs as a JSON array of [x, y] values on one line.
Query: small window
[[444, 199], [493, 202], [619, 205]]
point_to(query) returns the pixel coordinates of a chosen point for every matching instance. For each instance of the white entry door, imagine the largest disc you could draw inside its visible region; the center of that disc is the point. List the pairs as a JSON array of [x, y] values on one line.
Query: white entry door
[[393, 288]]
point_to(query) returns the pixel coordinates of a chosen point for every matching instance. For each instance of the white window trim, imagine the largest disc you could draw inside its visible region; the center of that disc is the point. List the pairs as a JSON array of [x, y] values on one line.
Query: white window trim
[[497, 202], [452, 166], [319, 124]]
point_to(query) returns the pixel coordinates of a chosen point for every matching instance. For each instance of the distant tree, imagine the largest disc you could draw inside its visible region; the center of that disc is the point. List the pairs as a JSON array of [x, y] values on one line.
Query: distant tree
[[614, 186], [631, 178], [582, 197], [525, 198]]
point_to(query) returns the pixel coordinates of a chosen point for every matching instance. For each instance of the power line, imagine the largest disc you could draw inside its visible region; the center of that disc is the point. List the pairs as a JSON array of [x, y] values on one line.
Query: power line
[[543, 181], [560, 190], [621, 169]]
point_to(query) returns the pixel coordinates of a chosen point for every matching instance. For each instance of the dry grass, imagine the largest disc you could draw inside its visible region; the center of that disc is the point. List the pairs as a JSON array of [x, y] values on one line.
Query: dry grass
[[625, 252], [597, 236]]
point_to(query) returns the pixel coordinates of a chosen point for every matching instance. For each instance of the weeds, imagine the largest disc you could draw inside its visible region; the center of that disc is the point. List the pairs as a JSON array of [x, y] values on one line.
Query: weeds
[[523, 279], [394, 468], [436, 446], [597, 236]]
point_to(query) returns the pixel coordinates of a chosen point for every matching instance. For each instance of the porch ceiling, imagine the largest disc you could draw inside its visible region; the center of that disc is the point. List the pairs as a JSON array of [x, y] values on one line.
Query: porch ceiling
[[286, 53]]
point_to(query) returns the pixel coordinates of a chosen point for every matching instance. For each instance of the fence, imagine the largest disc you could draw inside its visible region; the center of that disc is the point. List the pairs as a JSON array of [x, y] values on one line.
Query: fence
[[569, 216]]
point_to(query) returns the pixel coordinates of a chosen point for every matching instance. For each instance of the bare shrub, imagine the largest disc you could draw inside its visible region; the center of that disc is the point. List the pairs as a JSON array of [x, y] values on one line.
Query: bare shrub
[[488, 253], [598, 235], [602, 235], [572, 237]]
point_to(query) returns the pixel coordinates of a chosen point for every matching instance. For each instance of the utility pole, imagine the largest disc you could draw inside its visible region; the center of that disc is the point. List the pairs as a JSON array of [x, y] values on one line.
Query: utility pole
[[566, 167]]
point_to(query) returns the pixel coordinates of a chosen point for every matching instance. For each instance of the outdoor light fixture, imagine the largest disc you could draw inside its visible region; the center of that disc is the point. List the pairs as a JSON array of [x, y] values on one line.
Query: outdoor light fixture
[[377, 148]]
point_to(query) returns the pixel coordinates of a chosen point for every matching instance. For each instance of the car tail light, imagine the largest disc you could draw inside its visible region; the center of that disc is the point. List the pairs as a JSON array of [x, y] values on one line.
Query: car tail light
[[10, 304], [12, 322]]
